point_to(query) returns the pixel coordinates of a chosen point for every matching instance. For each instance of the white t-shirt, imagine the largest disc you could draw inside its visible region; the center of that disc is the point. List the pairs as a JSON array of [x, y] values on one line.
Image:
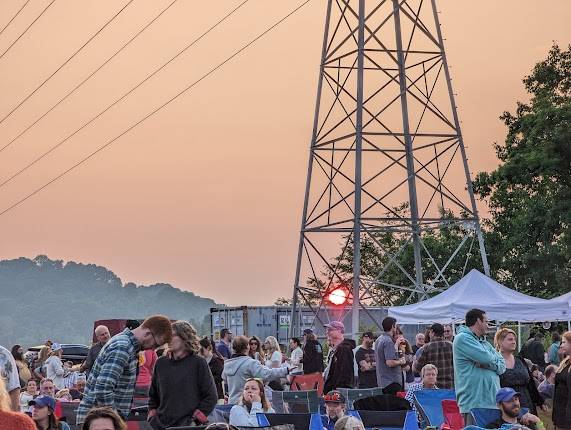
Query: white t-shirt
[[8, 370], [276, 357], [295, 358]]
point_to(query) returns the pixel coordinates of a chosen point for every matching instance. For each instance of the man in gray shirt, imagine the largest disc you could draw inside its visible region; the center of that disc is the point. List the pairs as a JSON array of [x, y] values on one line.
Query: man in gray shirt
[[389, 364]]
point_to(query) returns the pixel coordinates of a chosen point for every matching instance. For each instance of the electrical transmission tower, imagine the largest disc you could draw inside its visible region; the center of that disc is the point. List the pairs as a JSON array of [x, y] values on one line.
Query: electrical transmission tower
[[388, 175]]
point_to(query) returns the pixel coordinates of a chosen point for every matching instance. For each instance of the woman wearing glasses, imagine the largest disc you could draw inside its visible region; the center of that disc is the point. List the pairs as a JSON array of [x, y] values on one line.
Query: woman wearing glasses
[[253, 401], [256, 351]]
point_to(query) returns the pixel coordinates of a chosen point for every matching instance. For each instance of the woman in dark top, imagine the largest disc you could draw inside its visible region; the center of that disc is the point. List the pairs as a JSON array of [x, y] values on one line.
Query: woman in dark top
[[562, 393], [215, 363], [517, 374]]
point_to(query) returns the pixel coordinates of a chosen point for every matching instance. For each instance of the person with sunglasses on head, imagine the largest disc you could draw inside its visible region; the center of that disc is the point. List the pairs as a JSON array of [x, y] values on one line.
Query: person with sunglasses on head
[[252, 402], [182, 391], [335, 409], [113, 375]]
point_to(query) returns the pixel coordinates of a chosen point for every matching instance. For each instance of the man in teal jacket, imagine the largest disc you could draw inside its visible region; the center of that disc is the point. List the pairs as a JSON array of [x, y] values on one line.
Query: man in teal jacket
[[477, 366]]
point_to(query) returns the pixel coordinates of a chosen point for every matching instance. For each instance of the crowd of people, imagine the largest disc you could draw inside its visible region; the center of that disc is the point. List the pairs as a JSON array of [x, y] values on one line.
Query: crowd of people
[[181, 378]]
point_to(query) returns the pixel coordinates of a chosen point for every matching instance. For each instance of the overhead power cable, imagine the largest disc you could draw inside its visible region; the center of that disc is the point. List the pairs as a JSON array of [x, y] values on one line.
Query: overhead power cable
[[27, 28], [180, 93], [69, 93], [66, 61], [85, 124], [14, 17]]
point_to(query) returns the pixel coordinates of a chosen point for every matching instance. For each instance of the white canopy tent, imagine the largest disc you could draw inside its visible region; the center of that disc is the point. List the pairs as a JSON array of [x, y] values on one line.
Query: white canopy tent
[[476, 290]]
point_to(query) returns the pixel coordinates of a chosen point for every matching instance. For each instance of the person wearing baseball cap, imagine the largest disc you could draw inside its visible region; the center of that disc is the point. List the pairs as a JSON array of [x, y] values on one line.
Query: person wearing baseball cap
[[54, 366], [508, 402], [42, 408], [334, 409], [340, 370], [366, 361]]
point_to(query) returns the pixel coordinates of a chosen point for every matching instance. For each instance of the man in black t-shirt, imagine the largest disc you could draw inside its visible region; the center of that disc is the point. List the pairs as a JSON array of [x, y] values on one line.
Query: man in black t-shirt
[[366, 362]]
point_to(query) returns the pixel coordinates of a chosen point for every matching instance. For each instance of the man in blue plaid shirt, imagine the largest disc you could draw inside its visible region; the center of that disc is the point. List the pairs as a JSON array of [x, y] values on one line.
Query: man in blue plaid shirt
[[113, 375]]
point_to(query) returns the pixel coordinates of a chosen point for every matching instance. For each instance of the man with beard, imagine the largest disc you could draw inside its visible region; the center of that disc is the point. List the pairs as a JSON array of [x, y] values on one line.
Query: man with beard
[[365, 358], [508, 403], [340, 371]]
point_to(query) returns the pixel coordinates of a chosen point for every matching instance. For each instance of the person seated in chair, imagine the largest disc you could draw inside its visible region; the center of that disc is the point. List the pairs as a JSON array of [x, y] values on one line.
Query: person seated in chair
[[253, 401], [508, 403], [334, 409], [429, 374]]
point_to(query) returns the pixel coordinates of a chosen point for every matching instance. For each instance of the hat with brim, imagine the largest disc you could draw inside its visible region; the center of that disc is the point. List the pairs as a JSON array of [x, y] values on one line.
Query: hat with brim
[[506, 394], [43, 401]]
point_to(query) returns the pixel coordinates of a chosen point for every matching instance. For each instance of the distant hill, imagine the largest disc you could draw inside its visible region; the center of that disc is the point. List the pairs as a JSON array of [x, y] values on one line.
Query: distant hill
[[43, 298]]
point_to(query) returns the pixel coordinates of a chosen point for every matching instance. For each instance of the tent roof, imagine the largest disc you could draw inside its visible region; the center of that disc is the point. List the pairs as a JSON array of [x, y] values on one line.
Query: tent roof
[[476, 290]]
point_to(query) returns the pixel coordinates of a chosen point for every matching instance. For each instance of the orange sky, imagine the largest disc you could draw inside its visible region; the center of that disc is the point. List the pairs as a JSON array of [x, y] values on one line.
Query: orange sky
[[207, 194]]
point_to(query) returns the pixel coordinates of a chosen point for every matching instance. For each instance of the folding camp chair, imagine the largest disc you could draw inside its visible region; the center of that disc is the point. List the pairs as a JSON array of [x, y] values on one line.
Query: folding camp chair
[[287, 402], [382, 402], [352, 395], [428, 404], [313, 381], [388, 420], [452, 416], [484, 416], [299, 421]]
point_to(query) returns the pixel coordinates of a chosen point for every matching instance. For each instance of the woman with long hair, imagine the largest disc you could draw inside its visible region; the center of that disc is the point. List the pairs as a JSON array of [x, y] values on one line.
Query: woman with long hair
[[23, 369], [39, 364], [562, 393], [215, 363], [43, 414], [253, 402], [256, 351], [273, 359], [517, 374]]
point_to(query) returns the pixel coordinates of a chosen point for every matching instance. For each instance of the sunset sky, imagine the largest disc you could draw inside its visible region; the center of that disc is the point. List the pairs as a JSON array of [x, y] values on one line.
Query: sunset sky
[[207, 194]]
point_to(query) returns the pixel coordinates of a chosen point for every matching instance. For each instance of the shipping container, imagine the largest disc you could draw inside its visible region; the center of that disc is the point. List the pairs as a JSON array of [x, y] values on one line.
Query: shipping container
[[263, 321]]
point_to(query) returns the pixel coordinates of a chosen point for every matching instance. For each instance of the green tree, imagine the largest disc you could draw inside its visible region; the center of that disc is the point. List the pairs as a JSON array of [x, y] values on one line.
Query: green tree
[[529, 194]]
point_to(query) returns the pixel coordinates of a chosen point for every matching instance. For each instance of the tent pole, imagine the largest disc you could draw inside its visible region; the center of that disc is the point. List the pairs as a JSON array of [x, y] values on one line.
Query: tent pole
[[518, 336], [568, 325]]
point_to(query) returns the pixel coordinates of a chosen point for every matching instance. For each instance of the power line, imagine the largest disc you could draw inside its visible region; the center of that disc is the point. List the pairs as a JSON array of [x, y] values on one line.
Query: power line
[[61, 142], [180, 93], [27, 28], [14, 17], [88, 77], [65, 62]]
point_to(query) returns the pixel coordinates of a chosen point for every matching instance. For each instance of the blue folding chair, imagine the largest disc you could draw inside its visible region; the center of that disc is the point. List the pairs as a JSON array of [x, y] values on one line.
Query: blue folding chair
[[300, 421], [484, 416], [428, 404], [387, 420]]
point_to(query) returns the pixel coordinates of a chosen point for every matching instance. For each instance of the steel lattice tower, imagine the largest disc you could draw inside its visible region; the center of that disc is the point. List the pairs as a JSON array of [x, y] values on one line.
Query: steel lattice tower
[[386, 157]]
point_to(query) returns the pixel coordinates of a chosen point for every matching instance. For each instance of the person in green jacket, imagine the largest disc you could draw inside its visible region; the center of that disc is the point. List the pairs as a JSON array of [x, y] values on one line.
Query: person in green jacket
[[477, 366]]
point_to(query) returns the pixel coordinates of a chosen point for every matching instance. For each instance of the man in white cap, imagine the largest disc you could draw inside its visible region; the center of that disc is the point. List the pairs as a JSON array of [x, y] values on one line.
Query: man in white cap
[[54, 366], [340, 372]]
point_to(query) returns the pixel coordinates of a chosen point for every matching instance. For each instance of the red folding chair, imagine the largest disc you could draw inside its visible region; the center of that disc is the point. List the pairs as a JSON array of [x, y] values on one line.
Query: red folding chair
[[313, 381], [452, 416]]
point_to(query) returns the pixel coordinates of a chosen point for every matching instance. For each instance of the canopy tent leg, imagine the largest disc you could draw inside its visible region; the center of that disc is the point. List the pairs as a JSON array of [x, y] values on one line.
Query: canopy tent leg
[[518, 336]]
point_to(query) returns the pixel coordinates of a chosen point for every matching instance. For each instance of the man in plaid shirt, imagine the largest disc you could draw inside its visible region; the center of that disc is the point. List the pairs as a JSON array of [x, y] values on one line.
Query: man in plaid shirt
[[112, 378], [438, 352]]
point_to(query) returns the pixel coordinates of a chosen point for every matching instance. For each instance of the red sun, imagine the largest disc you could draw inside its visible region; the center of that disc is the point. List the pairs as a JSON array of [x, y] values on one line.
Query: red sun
[[338, 296]]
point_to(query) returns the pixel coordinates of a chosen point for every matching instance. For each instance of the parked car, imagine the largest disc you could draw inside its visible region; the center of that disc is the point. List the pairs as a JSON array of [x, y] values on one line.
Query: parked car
[[71, 352]]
